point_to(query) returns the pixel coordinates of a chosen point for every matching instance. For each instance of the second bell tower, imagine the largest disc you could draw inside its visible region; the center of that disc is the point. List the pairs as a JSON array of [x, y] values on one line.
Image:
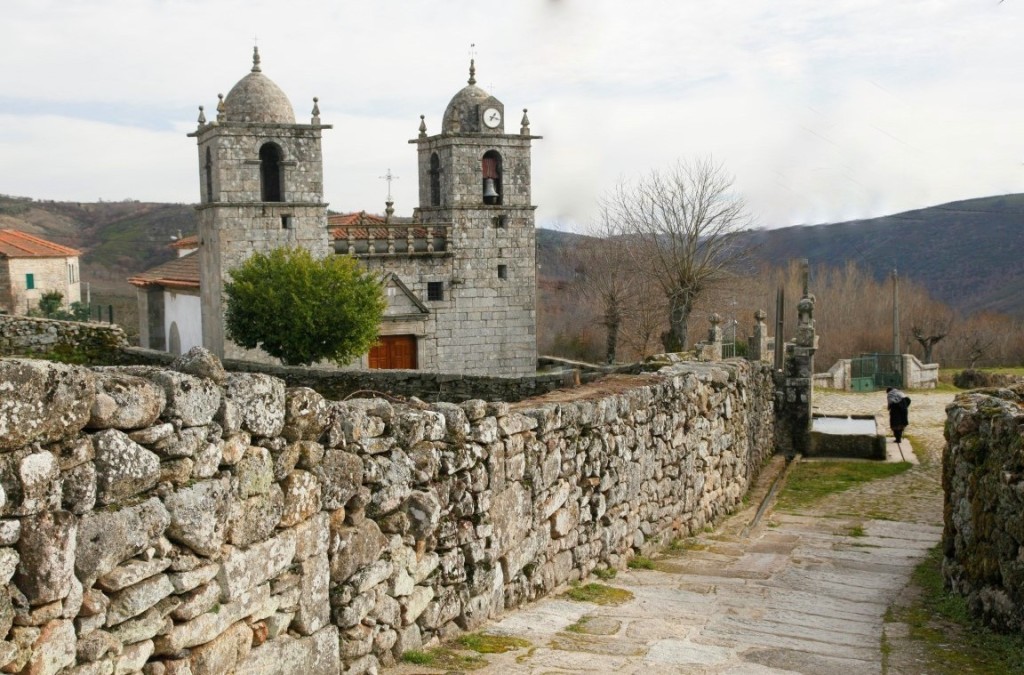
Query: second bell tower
[[476, 177]]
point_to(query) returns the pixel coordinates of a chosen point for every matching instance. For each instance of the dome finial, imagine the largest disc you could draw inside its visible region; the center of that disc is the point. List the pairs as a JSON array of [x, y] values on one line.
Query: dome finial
[[423, 126], [472, 71], [256, 59]]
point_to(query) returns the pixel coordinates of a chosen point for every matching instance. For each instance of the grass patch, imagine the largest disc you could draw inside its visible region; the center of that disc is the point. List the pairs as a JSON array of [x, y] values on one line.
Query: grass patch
[[640, 562], [443, 658], [579, 627], [856, 531], [606, 573], [482, 643], [599, 594], [679, 545], [810, 482], [953, 640]]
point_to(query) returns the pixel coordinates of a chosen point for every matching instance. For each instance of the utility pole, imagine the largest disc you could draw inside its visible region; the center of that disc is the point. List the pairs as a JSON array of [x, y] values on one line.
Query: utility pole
[[895, 312], [780, 325]]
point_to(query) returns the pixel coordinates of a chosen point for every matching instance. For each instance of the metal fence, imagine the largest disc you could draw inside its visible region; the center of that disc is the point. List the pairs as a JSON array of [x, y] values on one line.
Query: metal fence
[[869, 372]]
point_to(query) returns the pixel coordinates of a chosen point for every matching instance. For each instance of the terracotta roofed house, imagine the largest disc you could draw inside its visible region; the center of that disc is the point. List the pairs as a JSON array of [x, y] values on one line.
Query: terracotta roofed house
[[31, 266], [169, 304]]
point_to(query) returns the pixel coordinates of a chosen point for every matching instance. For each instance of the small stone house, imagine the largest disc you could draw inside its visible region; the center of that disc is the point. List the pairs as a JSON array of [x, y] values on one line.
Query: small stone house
[[31, 266]]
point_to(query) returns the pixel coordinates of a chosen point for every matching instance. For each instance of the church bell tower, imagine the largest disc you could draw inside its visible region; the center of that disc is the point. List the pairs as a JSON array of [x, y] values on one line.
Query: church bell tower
[[476, 177], [261, 188]]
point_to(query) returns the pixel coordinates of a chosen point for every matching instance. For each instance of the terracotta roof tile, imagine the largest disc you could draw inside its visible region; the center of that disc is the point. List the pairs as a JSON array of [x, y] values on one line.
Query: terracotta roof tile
[[191, 241], [16, 244], [355, 218], [181, 272]]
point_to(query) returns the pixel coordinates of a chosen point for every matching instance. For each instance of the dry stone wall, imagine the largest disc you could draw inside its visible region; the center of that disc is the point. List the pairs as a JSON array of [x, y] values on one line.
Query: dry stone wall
[[190, 520], [23, 335], [983, 480], [425, 385]]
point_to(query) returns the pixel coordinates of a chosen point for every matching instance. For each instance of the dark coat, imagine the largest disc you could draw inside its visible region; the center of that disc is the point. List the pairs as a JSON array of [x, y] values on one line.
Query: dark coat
[[898, 412]]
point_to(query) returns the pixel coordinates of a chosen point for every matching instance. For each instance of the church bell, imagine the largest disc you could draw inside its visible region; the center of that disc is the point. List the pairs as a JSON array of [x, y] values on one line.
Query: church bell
[[489, 191]]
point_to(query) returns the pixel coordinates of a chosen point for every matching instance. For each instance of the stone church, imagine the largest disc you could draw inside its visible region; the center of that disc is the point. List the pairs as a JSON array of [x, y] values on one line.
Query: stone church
[[460, 275]]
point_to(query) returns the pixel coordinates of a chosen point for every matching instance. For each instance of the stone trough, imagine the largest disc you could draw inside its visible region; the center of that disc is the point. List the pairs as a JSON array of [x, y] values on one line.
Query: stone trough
[[851, 436]]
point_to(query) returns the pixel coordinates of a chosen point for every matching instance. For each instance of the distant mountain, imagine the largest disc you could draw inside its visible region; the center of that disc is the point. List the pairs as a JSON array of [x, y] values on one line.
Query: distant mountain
[[118, 239], [965, 253]]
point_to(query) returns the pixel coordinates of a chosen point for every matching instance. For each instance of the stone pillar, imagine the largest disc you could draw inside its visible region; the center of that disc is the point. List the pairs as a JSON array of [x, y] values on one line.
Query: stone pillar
[[795, 398], [712, 349], [757, 345]]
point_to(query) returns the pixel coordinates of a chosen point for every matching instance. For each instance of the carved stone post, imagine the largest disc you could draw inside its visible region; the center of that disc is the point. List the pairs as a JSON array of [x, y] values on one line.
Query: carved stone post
[[757, 345]]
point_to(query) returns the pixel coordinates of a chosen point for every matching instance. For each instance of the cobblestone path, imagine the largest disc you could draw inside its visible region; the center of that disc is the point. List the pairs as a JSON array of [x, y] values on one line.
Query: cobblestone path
[[801, 592]]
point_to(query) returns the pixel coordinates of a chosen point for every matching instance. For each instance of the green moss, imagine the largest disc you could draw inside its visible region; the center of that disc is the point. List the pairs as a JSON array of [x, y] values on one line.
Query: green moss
[[606, 573], [417, 657], [484, 643], [810, 482], [443, 658], [524, 657], [641, 562], [675, 545], [599, 594], [579, 627], [953, 641], [856, 531]]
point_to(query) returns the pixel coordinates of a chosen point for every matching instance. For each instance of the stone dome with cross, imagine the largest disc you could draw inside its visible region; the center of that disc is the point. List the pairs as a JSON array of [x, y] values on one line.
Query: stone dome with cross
[[257, 99]]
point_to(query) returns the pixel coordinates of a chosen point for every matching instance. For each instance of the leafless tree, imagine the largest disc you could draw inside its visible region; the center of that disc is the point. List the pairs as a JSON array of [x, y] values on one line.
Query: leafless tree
[[680, 226], [646, 320], [931, 335], [605, 276], [977, 347]]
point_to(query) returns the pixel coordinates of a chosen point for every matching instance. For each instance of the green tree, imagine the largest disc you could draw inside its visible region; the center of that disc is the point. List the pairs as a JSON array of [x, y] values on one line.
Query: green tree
[[300, 309], [50, 304]]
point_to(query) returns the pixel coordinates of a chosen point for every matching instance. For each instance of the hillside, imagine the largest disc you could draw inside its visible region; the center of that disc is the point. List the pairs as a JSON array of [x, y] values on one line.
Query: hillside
[[966, 253], [118, 238]]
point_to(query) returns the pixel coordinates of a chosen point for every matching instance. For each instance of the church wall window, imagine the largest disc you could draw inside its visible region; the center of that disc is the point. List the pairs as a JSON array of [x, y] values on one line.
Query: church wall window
[[503, 271], [490, 169], [271, 173], [435, 291], [435, 180]]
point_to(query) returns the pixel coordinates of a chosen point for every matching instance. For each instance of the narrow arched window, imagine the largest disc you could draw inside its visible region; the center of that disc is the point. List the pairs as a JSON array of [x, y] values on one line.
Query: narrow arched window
[[209, 176], [435, 180], [271, 178], [490, 169]]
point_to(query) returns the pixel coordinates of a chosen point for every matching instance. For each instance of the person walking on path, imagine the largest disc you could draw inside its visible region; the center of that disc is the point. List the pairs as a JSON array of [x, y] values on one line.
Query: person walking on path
[[899, 404]]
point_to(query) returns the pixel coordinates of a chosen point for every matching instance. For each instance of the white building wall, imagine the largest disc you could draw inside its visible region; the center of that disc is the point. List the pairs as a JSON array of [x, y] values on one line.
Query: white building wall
[[185, 311]]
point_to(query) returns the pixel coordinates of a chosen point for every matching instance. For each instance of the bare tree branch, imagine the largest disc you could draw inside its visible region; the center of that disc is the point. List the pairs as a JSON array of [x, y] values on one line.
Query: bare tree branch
[[680, 227]]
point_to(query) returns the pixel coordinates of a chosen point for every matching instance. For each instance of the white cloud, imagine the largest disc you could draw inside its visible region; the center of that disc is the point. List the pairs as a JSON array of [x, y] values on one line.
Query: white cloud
[[822, 110]]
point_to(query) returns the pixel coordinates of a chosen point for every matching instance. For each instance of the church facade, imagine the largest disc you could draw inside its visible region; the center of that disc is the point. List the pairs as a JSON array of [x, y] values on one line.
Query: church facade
[[460, 275]]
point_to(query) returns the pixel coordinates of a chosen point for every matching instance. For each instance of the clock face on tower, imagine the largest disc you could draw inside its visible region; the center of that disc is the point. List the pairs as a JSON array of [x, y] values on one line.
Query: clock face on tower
[[492, 118]]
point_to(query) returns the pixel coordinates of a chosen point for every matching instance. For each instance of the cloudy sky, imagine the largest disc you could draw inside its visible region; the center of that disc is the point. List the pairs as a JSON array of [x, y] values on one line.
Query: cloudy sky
[[822, 111]]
